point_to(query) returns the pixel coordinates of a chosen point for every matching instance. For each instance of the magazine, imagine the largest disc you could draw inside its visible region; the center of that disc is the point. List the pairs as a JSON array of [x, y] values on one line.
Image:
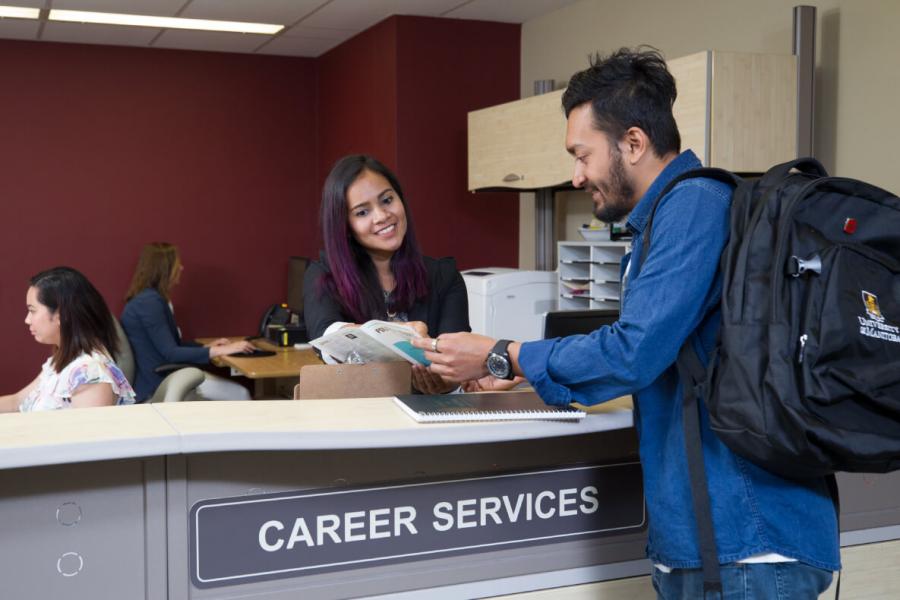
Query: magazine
[[373, 341]]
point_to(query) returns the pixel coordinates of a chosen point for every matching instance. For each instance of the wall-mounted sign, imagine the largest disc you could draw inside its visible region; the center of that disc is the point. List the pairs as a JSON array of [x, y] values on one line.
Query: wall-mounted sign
[[251, 538]]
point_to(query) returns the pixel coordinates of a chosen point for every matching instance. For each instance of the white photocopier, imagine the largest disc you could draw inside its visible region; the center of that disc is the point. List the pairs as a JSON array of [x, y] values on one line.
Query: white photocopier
[[510, 303]]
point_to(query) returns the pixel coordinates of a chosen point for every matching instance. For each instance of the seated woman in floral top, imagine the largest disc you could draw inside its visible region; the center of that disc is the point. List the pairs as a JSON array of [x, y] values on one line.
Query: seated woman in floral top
[[67, 312]]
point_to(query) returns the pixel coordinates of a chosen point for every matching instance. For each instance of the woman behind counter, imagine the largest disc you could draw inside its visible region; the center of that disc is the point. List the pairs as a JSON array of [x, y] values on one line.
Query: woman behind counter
[[372, 267], [67, 312], [149, 323]]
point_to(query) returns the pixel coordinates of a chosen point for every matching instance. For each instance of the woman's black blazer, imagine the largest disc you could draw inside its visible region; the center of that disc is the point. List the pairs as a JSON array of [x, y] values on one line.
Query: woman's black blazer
[[445, 309]]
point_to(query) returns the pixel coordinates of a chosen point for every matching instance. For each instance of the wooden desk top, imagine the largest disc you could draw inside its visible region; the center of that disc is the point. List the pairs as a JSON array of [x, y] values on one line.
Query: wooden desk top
[[114, 432], [286, 362]]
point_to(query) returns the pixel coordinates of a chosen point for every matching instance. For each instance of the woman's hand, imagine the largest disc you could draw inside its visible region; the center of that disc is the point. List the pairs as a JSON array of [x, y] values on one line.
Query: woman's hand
[[430, 383], [489, 383], [218, 342], [242, 347], [11, 402], [419, 327]]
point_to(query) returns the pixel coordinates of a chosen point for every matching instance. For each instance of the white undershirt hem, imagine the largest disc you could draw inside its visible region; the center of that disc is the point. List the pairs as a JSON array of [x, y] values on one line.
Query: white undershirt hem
[[766, 557]]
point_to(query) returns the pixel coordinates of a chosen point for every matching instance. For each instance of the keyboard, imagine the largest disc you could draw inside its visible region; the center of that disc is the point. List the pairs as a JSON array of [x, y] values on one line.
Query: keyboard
[[255, 354]]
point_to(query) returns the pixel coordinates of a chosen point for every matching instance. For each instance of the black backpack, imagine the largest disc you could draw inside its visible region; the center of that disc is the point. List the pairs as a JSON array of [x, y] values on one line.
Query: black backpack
[[805, 377]]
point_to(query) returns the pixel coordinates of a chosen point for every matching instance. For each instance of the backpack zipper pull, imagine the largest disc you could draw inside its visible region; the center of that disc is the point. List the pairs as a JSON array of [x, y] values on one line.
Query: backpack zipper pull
[[802, 347]]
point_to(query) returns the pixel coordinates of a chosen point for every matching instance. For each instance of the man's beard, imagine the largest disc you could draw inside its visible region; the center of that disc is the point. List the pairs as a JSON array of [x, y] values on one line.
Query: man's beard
[[617, 194]]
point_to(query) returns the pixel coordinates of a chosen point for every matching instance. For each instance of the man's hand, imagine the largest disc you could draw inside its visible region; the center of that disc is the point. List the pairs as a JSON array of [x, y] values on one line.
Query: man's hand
[[459, 357]]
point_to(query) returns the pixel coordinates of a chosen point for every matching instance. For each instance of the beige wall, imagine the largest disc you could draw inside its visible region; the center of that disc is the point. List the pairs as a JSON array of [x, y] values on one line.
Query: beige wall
[[857, 127]]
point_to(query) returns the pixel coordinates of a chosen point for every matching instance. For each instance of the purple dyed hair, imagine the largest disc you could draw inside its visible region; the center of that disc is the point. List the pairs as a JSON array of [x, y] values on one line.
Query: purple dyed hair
[[352, 278]]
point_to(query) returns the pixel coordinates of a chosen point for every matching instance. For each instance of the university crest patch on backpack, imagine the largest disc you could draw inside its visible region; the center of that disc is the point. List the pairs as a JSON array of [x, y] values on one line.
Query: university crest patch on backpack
[[805, 379]]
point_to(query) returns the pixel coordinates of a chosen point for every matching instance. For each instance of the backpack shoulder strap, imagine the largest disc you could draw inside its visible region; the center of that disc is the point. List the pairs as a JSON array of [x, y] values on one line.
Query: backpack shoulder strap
[[692, 373], [722, 175]]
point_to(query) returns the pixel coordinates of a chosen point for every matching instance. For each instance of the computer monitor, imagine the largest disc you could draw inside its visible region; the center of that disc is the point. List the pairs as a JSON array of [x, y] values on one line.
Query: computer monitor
[[296, 272], [561, 323]]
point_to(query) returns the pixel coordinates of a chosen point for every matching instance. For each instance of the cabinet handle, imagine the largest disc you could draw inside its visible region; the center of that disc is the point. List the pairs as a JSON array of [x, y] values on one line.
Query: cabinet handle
[[513, 177]]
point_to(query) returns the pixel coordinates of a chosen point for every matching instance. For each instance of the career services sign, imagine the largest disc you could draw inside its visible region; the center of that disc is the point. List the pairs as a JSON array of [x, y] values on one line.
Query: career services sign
[[252, 538]]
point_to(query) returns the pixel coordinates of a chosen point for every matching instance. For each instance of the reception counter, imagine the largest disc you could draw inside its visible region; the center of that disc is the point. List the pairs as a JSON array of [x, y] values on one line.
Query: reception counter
[[330, 499], [319, 499]]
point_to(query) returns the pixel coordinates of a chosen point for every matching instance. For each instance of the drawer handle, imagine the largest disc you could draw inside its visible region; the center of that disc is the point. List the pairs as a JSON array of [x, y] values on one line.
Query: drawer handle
[[513, 177]]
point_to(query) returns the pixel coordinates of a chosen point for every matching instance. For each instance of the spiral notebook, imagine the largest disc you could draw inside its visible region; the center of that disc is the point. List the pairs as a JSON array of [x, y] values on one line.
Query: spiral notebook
[[486, 406]]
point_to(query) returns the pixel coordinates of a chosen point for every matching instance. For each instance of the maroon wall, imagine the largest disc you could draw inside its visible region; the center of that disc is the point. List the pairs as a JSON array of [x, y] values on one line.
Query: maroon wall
[[450, 67], [401, 91], [103, 149], [356, 104]]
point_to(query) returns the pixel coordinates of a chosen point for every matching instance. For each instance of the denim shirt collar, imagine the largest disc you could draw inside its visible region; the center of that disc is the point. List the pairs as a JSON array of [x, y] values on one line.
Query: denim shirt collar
[[685, 161]]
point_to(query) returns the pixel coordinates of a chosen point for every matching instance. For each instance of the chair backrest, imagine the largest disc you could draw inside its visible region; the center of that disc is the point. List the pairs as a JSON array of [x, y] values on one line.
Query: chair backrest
[[178, 385], [373, 380], [296, 271], [125, 357]]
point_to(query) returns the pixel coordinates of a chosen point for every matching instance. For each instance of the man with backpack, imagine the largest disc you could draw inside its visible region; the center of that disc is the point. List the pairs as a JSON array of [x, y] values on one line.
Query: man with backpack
[[772, 537]]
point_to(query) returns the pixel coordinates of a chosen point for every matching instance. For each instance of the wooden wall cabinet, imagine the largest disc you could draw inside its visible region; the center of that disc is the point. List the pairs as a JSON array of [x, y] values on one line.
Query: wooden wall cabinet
[[736, 111], [519, 145]]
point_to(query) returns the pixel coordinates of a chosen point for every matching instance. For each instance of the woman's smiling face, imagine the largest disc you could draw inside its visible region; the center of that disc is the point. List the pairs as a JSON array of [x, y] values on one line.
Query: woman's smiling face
[[376, 214]]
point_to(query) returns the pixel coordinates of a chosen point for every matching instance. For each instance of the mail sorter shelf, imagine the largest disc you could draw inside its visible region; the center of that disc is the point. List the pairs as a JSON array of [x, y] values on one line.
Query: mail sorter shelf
[[589, 274]]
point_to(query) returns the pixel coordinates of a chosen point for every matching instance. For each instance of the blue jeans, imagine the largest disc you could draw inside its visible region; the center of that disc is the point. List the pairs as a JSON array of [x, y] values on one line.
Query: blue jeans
[[759, 581]]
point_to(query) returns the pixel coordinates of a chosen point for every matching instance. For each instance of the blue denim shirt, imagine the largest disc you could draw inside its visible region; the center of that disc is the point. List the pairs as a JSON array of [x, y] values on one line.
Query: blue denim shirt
[[676, 293]]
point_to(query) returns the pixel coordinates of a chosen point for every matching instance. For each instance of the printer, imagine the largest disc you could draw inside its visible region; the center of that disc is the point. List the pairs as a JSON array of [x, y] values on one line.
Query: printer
[[510, 303]]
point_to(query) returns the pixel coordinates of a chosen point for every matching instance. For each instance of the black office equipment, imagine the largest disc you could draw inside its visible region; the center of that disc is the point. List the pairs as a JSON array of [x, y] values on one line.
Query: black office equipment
[[276, 314], [296, 271], [256, 353], [286, 335], [561, 323]]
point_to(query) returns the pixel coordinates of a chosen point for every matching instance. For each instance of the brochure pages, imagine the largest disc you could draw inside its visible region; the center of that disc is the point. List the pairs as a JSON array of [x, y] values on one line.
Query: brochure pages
[[373, 341]]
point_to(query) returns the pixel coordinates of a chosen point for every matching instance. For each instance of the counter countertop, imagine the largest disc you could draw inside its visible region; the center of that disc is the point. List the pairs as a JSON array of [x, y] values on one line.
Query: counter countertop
[[108, 433]]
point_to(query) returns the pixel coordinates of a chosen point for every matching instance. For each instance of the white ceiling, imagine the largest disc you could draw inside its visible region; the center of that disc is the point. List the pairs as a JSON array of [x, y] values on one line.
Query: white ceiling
[[312, 27]]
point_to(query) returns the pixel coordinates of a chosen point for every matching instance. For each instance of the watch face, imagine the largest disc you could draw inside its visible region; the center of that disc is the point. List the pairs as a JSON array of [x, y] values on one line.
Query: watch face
[[498, 366]]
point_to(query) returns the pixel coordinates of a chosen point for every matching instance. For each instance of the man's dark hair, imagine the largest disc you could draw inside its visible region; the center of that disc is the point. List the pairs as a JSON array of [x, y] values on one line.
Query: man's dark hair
[[628, 88]]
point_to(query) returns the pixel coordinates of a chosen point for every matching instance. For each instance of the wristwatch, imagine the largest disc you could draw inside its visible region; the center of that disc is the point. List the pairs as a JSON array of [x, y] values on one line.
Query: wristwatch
[[498, 363]]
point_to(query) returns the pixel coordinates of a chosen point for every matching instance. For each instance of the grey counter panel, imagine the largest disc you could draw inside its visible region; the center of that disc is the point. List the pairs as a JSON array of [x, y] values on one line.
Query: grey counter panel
[[88, 530], [220, 475]]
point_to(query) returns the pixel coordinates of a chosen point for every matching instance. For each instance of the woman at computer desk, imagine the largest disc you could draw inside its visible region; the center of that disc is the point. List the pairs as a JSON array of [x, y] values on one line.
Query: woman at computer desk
[[149, 323], [372, 267], [68, 313]]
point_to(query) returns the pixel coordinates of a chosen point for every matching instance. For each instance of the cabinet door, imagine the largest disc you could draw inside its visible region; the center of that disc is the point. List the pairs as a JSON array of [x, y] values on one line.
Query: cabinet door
[[519, 145], [754, 111], [737, 111], [691, 108]]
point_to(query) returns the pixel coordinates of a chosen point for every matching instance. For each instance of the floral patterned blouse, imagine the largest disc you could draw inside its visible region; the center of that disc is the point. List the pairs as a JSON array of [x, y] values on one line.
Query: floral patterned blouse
[[54, 390]]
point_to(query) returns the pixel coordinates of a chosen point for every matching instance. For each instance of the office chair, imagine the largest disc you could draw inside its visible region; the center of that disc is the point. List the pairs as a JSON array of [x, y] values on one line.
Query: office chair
[[181, 380]]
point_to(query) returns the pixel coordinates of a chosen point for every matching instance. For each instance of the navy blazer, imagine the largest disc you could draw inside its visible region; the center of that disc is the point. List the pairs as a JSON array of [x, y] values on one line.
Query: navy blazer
[[150, 326], [445, 309]]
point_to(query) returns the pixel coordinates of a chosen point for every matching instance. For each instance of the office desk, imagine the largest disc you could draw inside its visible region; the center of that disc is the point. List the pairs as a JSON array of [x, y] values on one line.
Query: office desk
[[264, 370]]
